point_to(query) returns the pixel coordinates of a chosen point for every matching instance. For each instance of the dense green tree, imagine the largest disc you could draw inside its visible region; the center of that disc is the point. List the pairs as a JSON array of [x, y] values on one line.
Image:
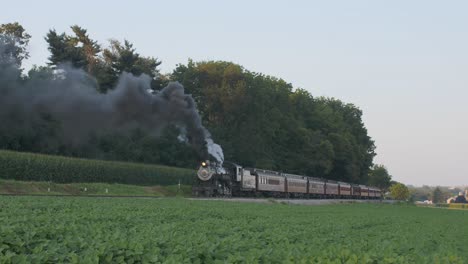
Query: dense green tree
[[88, 47], [399, 191], [15, 38], [40, 72], [124, 58], [259, 120], [78, 49], [262, 121], [379, 177], [420, 193], [64, 49], [105, 65], [437, 195]]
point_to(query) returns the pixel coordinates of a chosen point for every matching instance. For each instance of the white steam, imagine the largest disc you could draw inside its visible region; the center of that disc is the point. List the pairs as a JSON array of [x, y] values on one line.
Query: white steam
[[215, 150]]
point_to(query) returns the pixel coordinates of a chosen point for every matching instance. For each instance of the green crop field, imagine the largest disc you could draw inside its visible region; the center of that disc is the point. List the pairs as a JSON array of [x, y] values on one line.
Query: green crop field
[[147, 230], [38, 167], [13, 187]]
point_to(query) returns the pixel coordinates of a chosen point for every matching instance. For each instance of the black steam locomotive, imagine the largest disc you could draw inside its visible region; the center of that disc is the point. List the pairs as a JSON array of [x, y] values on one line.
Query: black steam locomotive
[[232, 180]]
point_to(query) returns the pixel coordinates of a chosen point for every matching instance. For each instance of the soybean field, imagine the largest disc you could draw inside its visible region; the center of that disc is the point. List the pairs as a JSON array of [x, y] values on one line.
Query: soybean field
[[144, 230]]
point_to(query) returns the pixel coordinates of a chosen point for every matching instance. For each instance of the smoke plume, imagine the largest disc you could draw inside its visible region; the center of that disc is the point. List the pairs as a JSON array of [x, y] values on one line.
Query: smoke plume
[[69, 97]]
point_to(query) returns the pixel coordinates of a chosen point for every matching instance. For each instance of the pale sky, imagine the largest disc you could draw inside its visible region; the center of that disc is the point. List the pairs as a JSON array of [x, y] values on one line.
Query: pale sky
[[404, 63]]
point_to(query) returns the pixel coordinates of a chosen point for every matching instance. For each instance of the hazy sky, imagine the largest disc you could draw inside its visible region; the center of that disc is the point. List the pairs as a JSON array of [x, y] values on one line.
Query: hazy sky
[[404, 63]]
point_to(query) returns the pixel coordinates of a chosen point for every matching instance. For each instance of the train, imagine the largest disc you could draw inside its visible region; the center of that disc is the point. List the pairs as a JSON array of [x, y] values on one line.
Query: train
[[233, 180]]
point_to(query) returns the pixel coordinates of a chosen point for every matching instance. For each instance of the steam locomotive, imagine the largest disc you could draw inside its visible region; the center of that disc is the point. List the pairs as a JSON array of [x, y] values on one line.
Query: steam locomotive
[[232, 180]]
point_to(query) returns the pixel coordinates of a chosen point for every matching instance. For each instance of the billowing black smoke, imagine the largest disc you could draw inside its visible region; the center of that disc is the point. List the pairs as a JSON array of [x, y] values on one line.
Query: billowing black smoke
[[69, 97]]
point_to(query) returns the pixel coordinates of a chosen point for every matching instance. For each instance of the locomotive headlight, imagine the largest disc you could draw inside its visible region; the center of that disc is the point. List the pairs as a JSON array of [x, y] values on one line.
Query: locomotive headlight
[[203, 164]]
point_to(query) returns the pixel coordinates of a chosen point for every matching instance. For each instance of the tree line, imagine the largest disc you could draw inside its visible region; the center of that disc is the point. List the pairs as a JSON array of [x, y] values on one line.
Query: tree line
[[259, 120]]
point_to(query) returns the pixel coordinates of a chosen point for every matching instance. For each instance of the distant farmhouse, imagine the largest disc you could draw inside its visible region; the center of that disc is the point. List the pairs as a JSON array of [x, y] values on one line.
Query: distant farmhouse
[[461, 198]]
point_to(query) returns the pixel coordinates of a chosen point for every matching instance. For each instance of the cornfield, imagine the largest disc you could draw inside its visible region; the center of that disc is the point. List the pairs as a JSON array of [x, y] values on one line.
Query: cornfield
[[39, 167]]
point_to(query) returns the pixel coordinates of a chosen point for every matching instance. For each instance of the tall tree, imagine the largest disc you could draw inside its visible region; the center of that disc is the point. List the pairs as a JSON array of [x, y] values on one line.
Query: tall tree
[[64, 48], [89, 47], [399, 191], [15, 39], [124, 58], [105, 65], [437, 195], [79, 49], [379, 177]]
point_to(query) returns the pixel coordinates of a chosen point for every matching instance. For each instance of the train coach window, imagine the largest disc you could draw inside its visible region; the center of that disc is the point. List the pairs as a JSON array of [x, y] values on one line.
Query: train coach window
[[273, 182]]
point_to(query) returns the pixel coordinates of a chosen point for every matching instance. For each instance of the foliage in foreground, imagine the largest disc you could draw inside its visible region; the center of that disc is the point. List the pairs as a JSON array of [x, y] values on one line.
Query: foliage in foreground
[[38, 167], [103, 230]]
